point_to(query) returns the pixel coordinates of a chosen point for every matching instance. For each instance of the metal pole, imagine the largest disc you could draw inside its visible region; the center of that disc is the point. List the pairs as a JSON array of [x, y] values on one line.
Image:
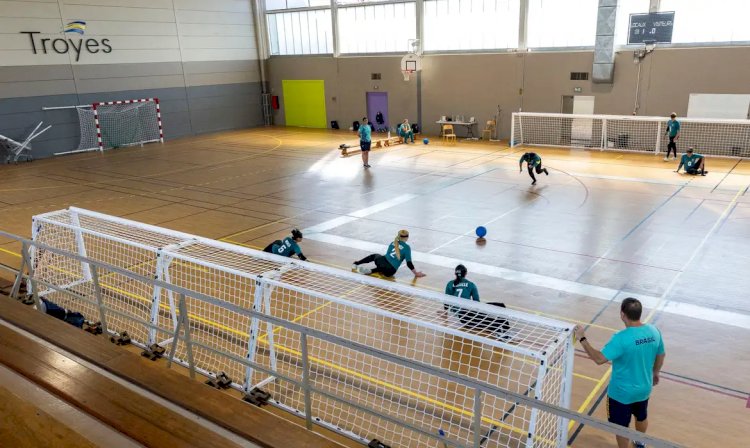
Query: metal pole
[[185, 318], [477, 418], [99, 300], [19, 278], [34, 294], [306, 381]]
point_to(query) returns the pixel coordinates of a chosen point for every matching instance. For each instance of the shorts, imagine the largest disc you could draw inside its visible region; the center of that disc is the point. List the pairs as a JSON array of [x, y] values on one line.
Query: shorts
[[384, 266], [365, 146], [620, 414]]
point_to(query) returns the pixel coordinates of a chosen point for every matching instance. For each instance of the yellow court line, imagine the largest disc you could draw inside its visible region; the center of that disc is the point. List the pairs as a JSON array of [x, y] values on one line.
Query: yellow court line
[[10, 252]]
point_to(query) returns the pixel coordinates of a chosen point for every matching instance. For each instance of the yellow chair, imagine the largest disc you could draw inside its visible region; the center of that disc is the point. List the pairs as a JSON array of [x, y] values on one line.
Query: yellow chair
[[489, 129], [448, 133]]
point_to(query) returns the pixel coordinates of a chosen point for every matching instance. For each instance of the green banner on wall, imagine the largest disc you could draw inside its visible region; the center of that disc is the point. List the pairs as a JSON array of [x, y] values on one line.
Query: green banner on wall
[[305, 103]]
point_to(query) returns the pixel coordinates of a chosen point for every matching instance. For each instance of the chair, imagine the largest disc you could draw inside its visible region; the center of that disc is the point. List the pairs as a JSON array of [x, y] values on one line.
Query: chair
[[448, 133], [489, 129]]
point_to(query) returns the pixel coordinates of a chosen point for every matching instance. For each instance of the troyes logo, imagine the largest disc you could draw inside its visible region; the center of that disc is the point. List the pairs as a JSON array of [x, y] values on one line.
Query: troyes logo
[[66, 45]]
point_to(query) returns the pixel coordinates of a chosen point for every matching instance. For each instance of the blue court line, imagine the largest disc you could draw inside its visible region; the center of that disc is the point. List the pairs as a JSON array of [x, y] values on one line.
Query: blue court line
[[627, 235]]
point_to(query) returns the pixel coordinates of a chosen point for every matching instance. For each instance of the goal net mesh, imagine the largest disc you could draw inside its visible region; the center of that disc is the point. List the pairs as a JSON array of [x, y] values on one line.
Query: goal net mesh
[[402, 399], [727, 138], [121, 124]]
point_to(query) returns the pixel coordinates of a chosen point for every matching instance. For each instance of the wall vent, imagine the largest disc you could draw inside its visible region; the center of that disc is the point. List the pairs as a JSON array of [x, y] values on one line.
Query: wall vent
[[579, 76], [375, 76]]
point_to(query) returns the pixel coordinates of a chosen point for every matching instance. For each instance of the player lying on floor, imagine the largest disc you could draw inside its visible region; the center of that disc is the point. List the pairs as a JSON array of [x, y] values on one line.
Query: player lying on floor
[[472, 320], [287, 247], [388, 264]]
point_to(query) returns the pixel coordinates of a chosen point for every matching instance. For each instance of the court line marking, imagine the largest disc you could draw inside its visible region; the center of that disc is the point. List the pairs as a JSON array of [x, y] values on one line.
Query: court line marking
[[350, 217], [598, 292], [15, 254], [663, 303]]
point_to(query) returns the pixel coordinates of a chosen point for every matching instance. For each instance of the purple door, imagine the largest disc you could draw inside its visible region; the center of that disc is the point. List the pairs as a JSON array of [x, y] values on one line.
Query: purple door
[[377, 102]]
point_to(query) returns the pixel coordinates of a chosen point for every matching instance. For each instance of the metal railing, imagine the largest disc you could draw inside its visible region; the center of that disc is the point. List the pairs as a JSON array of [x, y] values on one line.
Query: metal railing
[[26, 273]]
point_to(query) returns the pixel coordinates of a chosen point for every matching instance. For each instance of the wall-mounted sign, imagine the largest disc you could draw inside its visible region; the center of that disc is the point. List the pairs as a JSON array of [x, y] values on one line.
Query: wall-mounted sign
[[654, 27], [64, 45], [577, 89]]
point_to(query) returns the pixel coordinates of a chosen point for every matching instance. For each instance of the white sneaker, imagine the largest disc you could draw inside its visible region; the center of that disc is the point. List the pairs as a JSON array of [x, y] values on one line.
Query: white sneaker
[[354, 267], [666, 159], [364, 270]]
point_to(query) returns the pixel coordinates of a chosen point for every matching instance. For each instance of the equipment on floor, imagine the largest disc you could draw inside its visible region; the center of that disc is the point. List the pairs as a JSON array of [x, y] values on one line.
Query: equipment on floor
[[15, 150]]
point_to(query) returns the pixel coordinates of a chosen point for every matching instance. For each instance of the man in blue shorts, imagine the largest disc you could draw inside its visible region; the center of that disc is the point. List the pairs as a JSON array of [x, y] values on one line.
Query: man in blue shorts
[[365, 140], [637, 355]]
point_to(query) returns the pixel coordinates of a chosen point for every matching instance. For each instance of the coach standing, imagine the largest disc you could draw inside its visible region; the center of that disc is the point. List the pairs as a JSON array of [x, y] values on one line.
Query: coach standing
[[637, 355]]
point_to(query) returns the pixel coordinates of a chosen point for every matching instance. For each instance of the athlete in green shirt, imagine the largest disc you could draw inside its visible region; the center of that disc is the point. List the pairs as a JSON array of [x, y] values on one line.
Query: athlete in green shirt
[[387, 265], [533, 162], [673, 132], [365, 140], [288, 246], [693, 163], [637, 355]]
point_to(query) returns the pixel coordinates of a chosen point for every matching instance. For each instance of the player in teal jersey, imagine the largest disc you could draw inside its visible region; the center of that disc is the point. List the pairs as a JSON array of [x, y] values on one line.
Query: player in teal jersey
[[533, 162], [693, 163], [365, 141], [405, 131], [387, 265], [637, 356], [673, 132], [471, 319], [287, 247]]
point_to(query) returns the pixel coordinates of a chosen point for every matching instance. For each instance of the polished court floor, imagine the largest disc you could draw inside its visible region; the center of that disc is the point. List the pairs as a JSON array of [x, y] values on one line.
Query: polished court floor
[[600, 227]]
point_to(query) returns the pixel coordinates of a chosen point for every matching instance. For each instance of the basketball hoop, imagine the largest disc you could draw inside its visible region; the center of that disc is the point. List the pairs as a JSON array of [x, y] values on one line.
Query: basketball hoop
[[407, 74], [410, 64]]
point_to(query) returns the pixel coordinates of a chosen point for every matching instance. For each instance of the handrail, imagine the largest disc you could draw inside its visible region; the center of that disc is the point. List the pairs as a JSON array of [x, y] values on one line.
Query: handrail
[[306, 332]]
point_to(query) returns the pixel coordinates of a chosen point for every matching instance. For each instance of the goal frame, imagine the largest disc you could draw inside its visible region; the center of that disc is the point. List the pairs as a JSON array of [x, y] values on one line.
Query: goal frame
[[95, 107], [733, 148], [176, 248]]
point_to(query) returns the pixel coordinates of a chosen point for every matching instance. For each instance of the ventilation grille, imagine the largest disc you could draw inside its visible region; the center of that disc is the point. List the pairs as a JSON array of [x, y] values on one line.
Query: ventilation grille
[[375, 76], [579, 76]]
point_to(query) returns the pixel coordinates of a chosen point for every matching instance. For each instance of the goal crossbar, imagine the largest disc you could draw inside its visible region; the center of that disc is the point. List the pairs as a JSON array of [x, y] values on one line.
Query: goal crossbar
[[716, 137], [500, 348]]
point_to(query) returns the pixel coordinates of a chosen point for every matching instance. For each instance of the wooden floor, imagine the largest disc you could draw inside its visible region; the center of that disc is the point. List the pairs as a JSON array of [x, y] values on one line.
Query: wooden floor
[[600, 227]]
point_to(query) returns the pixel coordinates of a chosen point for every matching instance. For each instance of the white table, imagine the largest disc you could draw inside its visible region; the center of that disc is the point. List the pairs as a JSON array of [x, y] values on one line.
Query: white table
[[468, 124]]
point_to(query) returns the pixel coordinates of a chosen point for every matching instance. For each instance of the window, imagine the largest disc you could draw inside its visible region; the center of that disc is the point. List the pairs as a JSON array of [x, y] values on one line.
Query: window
[[272, 5], [562, 23], [470, 24], [382, 28], [302, 32], [622, 23], [709, 21]]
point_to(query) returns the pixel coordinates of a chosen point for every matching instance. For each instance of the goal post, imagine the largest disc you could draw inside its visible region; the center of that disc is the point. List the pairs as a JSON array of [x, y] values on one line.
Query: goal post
[[723, 138], [115, 124], [363, 357]]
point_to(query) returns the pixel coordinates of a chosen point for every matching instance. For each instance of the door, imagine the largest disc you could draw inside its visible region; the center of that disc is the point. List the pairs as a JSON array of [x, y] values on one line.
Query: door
[[377, 103], [304, 103], [582, 129]]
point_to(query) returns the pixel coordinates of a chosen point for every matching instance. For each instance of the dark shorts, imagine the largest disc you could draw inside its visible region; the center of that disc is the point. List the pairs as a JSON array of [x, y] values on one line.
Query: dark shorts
[[365, 146], [384, 266], [621, 414]]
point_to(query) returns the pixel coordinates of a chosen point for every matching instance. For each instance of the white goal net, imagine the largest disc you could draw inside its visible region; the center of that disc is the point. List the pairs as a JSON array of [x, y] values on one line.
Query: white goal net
[[117, 124], [367, 358], [727, 138]]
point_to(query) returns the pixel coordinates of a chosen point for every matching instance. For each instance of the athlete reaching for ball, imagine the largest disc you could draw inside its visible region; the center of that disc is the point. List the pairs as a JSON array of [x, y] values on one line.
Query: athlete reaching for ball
[[533, 162], [388, 264], [288, 246]]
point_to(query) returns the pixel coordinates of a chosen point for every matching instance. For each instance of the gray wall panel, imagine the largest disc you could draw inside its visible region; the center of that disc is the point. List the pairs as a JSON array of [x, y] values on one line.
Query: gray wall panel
[[36, 88], [197, 67], [184, 112], [35, 73], [127, 70]]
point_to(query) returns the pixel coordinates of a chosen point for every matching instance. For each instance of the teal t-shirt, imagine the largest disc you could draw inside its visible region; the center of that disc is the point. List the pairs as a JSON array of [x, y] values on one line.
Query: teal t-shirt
[[288, 248], [405, 251], [673, 127], [633, 352], [464, 289], [690, 161], [532, 158], [365, 132]]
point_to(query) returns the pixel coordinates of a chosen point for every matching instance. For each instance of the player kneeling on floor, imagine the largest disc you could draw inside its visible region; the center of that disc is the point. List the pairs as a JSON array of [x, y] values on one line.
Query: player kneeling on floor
[[693, 163], [287, 247], [472, 320]]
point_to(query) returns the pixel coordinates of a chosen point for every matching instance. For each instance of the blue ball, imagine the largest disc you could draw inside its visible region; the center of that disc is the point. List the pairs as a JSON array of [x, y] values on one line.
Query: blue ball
[[425, 141], [481, 232]]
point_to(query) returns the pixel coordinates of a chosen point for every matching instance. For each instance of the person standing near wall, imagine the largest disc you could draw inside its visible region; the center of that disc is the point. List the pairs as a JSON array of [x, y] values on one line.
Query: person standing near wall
[[673, 131], [365, 140]]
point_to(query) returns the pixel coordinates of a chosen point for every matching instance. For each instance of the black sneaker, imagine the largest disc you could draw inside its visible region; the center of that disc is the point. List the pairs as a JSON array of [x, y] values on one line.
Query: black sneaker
[[533, 183], [546, 172]]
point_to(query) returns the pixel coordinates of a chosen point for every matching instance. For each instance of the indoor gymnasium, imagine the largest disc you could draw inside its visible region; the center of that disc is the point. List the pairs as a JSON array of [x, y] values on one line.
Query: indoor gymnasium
[[374, 223]]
